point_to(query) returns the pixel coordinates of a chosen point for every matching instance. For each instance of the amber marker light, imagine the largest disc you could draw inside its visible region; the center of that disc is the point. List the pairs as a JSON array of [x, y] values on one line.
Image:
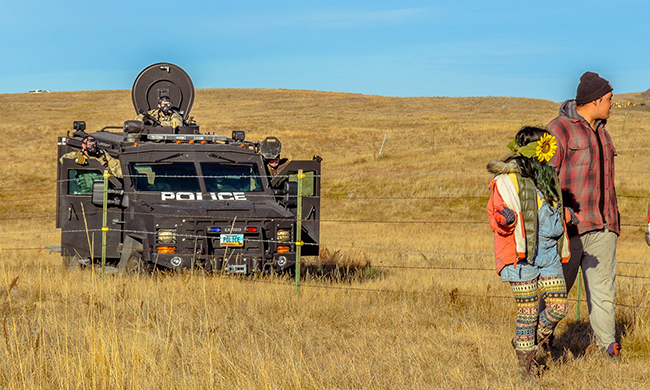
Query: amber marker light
[[283, 249], [167, 250]]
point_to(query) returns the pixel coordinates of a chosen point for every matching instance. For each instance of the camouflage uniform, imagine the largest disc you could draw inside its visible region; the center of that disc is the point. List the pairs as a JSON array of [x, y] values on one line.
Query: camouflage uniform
[[274, 171], [109, 162], [174, 120]]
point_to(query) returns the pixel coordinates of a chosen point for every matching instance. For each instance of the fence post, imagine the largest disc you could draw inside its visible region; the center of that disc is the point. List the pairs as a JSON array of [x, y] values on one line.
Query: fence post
[[578, 294], [381, 149], [104, 227], [433, 141], [299, 242]]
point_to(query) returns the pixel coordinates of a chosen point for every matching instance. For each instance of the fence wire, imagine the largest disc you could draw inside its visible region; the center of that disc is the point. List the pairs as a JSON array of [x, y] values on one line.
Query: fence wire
[[335, 197], [368, 248]]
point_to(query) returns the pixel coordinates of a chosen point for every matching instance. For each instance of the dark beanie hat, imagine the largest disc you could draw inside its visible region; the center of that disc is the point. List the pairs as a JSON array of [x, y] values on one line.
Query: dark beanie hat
[[591, 87]]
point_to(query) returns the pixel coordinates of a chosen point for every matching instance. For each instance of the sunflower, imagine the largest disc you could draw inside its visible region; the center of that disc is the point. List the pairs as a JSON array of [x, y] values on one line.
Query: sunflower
[[546, 147]]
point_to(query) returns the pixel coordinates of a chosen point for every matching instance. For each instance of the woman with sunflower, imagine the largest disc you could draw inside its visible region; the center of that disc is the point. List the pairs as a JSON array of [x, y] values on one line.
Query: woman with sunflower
[[528, 220]]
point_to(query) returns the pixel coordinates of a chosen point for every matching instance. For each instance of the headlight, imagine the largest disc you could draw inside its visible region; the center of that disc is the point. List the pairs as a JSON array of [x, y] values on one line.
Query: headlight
[[167, 236], [283, 235]]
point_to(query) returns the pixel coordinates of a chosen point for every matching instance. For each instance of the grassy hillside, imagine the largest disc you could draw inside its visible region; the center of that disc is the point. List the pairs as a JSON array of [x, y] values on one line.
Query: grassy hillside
[[431, 314], [634, 97]]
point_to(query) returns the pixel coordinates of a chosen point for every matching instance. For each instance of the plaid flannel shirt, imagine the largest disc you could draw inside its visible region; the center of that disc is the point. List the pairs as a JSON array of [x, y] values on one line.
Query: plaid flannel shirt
[[579, 165]]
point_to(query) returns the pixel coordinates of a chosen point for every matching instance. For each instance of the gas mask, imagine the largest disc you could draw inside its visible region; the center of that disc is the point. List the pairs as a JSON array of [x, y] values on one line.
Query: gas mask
[[91, 149], [89, 146], [166, 109]]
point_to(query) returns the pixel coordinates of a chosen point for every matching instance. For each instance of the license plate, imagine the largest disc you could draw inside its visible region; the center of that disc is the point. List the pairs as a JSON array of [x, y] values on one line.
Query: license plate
[[231, 240]]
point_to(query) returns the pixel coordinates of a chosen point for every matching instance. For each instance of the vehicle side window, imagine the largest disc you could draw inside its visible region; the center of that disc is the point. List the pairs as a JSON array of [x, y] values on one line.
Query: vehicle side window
[[80, 181], [308, 183]]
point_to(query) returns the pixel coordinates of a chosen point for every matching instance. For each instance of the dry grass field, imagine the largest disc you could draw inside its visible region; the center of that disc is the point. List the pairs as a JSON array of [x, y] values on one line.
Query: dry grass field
[[431, 313]]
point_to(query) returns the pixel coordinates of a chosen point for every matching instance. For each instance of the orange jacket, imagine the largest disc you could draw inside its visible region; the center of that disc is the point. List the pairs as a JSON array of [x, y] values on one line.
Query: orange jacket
[[505, 240], [510, 241]]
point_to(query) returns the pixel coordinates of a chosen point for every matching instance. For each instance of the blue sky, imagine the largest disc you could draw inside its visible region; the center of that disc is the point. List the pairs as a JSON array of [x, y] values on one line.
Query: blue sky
[[389, 48]]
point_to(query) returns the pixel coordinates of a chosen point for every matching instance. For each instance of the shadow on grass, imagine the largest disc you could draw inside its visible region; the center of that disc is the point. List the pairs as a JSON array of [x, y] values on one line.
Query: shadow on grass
[[353, 266], [334, 267], [578, 338]]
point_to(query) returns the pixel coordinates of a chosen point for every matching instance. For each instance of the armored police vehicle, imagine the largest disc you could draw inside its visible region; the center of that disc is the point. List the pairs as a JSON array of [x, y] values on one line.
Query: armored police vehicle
[[183, 199]]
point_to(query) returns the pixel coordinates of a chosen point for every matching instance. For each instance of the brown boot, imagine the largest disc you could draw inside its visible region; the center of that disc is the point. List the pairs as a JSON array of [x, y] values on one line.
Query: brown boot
[[544, 347], [527, 365]]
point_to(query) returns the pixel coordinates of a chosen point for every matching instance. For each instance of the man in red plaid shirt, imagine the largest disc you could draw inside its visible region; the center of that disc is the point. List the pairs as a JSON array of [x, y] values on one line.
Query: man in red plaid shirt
[[585, 165]]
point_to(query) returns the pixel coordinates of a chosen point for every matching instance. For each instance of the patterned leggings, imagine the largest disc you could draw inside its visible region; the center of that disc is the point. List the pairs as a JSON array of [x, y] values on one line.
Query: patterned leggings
[[532, 327]]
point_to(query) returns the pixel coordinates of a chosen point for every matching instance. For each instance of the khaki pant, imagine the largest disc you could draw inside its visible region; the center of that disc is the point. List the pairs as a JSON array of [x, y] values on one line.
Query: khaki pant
[[596, 253]]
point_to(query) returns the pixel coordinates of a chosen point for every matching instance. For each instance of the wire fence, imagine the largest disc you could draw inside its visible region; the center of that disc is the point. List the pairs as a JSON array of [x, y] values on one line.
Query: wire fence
[[367, 248], [454, 294], [339, 198]]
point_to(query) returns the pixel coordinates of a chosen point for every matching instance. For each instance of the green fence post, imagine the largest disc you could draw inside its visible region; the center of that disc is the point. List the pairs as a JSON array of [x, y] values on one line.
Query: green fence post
[[299, 242], [104, 227]]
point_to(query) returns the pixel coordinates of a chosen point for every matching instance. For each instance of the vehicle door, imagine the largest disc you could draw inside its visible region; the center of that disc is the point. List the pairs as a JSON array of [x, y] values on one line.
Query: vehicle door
[[310, 199], [79, 219]]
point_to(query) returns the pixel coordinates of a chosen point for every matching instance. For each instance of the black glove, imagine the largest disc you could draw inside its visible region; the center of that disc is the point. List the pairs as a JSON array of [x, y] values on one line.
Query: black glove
[[574, 219], [505, 216]]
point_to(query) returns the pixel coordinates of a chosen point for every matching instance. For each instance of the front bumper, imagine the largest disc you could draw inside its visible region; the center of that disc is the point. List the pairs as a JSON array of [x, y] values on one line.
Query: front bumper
[[239, 263]]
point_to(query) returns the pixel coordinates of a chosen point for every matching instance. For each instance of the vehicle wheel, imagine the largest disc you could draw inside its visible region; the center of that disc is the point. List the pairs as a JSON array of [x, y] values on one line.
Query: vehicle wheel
[[70, 262], [136, 264]]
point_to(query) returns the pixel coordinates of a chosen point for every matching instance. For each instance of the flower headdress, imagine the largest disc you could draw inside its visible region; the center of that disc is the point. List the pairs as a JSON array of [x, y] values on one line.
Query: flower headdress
[[543, 149]]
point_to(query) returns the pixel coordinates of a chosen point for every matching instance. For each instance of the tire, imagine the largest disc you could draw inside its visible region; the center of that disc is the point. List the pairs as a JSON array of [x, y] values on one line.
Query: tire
[[70, 262], [136, 265]]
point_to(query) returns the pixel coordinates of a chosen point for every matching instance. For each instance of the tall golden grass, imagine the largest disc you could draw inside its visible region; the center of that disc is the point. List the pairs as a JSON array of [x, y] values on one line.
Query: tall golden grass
[[434, 314]]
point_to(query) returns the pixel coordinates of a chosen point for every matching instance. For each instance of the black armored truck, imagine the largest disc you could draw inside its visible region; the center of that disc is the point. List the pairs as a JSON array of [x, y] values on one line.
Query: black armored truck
[[181, 199]]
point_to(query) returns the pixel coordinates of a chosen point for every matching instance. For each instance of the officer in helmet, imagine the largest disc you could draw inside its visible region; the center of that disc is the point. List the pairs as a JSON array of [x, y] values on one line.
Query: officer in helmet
[[90, 151], [164, 115], [270, 149]]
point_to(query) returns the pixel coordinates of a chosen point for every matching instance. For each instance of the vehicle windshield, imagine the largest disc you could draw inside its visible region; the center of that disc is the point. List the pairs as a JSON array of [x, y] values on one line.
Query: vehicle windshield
[[231, 177], [165, 176]]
